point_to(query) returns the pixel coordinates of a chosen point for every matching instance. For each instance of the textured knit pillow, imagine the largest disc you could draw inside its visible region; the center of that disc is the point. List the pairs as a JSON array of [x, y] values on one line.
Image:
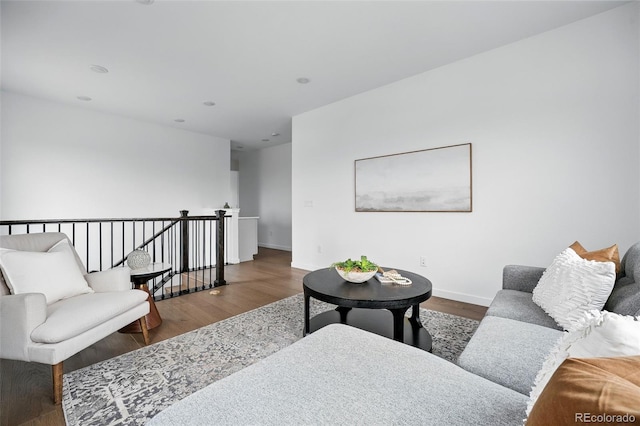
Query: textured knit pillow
[[609, 254], [573, 285], [54, 273], [597, 334]]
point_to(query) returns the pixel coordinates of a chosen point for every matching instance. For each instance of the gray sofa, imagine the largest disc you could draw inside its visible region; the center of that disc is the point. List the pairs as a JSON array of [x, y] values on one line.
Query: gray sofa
[[343, 375], [516, 335]]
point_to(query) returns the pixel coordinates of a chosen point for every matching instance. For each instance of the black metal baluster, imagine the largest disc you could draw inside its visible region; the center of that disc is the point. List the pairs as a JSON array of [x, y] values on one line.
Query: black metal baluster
[[162, 243], [204, 249], [153, 230], [210, 251], [87, 250], [111, 231], [123, 255], [100, 239]]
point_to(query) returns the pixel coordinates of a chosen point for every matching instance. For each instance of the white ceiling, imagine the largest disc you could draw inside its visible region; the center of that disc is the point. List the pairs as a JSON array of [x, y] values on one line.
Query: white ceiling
[[168, 57]]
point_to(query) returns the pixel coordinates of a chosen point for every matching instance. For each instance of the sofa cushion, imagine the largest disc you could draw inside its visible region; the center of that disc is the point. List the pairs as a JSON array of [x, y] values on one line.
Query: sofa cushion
[[68, 318], [54, 273], [343, 375], [519, 306], [508, 352], [591, 387], [571, 286]]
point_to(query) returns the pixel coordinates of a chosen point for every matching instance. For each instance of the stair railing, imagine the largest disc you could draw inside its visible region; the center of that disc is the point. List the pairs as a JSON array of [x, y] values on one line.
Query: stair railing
[[194, 246]]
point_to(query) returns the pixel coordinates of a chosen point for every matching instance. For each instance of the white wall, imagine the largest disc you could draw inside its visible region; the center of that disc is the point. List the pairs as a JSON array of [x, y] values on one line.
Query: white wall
[[265, 191], [554, 123], [248, 182], [59, 161], [234, 181]]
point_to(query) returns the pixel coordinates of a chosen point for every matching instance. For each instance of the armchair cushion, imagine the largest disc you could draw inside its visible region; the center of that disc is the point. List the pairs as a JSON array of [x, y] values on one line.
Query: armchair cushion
[[54, 273], [116, 279], [70, 317]]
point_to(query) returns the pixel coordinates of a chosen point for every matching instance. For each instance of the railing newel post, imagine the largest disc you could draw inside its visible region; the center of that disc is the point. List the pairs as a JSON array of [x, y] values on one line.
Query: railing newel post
[[220, 249], [184, 249]]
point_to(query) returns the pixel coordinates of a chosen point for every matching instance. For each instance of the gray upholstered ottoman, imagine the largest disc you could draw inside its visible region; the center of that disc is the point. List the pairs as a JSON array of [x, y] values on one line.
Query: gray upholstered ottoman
[[343, 375]]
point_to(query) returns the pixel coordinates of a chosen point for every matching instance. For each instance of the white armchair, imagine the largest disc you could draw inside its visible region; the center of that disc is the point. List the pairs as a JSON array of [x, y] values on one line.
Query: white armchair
[[36, 327]]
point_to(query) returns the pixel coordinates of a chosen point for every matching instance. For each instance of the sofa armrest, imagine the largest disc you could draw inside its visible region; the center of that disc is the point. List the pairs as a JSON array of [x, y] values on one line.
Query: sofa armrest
[[522, 278], [116, 279], [20, 314]]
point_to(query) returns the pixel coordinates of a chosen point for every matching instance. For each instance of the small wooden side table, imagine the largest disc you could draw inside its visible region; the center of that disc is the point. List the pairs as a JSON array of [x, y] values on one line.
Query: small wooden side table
[[139, 278]]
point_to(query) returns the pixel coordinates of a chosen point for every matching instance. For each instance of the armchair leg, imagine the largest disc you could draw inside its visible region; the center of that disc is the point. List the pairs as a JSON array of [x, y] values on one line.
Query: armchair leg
[[56, 371], [145, 331]]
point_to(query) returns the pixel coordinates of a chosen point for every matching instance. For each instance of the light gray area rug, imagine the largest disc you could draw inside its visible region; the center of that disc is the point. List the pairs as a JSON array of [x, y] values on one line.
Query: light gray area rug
[[130, 389]]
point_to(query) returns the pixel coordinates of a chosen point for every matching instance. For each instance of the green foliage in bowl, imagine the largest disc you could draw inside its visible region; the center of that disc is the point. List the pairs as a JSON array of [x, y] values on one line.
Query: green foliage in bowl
[[362, 265]]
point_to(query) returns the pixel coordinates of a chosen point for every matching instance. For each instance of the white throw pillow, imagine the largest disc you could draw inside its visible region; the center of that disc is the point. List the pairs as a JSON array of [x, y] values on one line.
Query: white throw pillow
[[597, 334], [55, 273], [116, 279], [573, 285]]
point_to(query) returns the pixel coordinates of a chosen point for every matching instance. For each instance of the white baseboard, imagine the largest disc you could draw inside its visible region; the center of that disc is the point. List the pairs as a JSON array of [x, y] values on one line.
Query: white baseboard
[[461, 297], [303, 266], [275, 246]]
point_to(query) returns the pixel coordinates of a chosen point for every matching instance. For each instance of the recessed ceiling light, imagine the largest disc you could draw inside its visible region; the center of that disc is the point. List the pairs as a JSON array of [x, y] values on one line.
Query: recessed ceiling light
[[275, 134], [265, 140], [99, 69], [83, 98], [179, 120], [209, 103], [303, 80]]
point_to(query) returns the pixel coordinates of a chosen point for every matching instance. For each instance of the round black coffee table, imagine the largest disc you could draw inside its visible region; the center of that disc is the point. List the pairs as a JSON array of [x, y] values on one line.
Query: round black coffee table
[[371, 306]]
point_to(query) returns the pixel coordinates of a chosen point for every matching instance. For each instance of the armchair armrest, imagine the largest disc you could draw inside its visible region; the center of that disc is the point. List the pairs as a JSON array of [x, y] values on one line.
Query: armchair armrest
[[116, 279], [20, 314], [522, 278]]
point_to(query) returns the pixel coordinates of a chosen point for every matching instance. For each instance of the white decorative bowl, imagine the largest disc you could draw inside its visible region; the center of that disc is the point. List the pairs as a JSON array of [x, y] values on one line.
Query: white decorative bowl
[[356, 277]]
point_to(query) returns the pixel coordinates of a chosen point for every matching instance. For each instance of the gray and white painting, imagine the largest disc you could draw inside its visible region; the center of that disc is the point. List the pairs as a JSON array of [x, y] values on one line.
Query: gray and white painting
[[434, 180]]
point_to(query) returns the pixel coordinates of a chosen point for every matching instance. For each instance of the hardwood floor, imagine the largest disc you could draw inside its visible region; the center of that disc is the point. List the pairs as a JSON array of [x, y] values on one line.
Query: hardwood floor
[[26, 389]]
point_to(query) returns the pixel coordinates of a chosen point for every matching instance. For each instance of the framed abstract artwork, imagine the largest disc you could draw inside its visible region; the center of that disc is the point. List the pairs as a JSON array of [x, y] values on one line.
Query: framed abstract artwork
[[430, 180]]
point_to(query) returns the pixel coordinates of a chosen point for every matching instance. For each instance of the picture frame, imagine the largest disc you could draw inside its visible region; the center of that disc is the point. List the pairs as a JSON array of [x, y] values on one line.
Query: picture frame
[[430, 180]]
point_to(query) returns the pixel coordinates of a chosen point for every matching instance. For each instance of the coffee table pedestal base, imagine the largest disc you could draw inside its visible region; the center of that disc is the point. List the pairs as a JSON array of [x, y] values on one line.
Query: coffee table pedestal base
[[378, 321]]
